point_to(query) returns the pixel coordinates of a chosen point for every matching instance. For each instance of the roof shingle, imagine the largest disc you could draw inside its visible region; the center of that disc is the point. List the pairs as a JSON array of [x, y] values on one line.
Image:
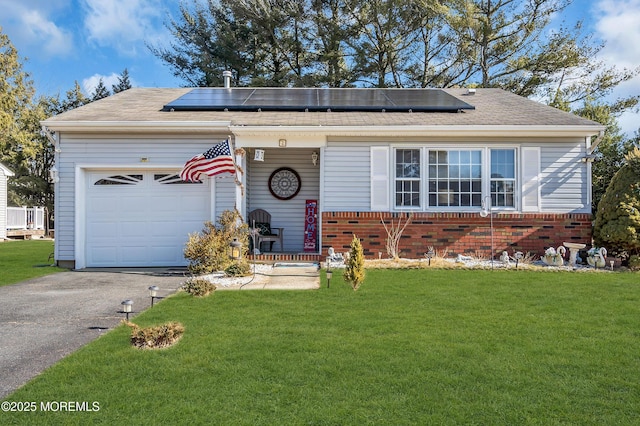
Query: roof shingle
[[493, 107]]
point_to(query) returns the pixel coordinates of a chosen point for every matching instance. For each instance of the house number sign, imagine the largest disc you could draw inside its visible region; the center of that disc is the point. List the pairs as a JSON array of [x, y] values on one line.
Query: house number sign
[[284, 183]]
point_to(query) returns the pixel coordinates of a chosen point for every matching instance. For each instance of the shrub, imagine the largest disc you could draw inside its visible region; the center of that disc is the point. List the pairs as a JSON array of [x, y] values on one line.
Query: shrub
[[208, 251], [354, 270], [617, 223], [394, 233], [161, 336], [198, 287], [634, 262], [238, 269]]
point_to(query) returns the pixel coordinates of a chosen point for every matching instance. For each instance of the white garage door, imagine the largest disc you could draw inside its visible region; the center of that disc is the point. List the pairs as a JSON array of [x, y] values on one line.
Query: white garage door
[[142, 218]]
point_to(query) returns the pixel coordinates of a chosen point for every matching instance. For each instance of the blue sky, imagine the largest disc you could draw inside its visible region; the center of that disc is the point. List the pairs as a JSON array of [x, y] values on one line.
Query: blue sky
[[85, 40]]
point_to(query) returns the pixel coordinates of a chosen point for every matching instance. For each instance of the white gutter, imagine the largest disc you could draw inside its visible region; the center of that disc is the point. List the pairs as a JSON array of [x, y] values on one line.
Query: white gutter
[[393, 130], [136, 126], [420, 130]]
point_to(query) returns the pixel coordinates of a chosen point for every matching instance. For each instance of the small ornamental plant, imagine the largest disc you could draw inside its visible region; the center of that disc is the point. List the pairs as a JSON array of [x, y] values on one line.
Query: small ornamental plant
[[158, 337], [198, 287], [354, 270], [239, 268], [208, 250]]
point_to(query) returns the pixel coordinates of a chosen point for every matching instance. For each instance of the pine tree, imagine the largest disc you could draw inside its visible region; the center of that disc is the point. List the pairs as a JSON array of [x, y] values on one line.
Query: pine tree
[[74, 98], [617, 224], [100, 91], [123, 82], [354, 271]]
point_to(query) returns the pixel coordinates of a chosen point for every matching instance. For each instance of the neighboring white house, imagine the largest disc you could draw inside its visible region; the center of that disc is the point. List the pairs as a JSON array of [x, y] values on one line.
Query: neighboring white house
[[364, 155], [4, 174]]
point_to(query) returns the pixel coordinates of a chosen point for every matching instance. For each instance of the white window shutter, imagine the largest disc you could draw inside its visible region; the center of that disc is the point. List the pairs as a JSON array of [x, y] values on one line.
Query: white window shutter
[[530, 179], [380, 178]]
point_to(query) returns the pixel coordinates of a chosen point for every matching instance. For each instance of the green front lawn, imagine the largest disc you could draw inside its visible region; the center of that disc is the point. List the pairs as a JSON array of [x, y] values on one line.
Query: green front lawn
[[410, 347], [25, 259]]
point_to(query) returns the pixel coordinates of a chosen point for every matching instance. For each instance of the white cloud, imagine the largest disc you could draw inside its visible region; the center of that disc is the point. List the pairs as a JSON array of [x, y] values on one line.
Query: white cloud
[[618, 24], [31, 25], [54, 40], [123, 24], [90, 84]]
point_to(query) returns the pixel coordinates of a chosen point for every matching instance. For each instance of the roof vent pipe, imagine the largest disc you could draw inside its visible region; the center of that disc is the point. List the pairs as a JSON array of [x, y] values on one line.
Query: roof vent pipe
[[226, 76]]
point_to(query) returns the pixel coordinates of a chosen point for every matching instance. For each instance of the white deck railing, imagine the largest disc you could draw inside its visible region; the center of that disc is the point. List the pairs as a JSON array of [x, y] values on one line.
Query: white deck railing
[[25, 217]]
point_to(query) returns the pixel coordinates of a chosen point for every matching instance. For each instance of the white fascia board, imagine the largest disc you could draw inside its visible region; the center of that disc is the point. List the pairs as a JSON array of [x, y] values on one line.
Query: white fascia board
[[292, 140], [6, 171], [441, 130], [137, 126]]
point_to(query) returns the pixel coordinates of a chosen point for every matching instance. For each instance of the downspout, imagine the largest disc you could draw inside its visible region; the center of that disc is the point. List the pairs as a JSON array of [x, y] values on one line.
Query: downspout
[[589, 159], [49, 134]]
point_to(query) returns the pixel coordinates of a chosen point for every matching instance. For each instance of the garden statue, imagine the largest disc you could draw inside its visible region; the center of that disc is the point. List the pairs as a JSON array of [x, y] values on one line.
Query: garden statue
[[553, 257], [596, 257], [505, 258]]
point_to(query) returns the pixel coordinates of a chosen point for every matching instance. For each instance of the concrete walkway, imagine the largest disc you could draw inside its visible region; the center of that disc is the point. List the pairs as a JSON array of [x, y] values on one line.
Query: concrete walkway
[[44, 319]]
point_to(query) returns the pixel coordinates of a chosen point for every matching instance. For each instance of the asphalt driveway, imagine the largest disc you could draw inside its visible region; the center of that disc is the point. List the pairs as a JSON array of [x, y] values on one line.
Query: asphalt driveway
[[44, 319]]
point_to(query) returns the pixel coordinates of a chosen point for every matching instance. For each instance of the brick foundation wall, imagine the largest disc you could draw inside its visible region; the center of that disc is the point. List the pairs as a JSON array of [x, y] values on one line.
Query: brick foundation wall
[[458, 233]]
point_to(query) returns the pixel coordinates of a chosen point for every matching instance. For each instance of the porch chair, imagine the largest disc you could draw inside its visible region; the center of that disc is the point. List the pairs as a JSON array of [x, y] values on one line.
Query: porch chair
[[261, 220]]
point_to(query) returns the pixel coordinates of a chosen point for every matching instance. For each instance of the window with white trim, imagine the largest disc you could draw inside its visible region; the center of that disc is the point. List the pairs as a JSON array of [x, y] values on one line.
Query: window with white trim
[[455, 178], [407, 178], [449, 178], [503, 177]]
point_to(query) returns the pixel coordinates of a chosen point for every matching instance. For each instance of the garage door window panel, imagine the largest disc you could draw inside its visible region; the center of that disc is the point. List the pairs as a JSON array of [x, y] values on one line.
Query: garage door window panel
[[120, 180]]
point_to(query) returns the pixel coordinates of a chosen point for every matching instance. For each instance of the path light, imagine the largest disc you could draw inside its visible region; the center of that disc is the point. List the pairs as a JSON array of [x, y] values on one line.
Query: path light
[[153, 292], [430, 254], [329, 275], [486, 210], [235, 249], [518, 256], [127, 306]]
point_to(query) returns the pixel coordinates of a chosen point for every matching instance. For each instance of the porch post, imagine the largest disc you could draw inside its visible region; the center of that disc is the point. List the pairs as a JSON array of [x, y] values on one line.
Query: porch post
[[241, 188]]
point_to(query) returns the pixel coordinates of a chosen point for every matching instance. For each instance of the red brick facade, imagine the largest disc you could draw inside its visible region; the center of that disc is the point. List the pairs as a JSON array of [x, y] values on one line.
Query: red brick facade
[[458, 233]]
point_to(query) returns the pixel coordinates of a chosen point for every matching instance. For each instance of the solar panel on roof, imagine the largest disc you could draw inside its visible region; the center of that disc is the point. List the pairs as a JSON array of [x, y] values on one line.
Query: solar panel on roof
[[316, 99]]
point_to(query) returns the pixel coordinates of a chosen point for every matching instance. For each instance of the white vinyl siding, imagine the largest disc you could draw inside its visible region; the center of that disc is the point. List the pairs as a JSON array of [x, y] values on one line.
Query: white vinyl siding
[[563, 179], [225, 194], [347, 178]]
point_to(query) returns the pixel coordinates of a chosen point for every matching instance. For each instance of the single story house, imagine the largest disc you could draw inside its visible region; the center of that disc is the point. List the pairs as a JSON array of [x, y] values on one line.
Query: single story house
[[5, 173], [325, 164]]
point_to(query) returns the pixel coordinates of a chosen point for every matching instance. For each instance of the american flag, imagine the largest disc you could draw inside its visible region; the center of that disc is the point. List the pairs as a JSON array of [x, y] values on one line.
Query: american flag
[[214, 161]]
